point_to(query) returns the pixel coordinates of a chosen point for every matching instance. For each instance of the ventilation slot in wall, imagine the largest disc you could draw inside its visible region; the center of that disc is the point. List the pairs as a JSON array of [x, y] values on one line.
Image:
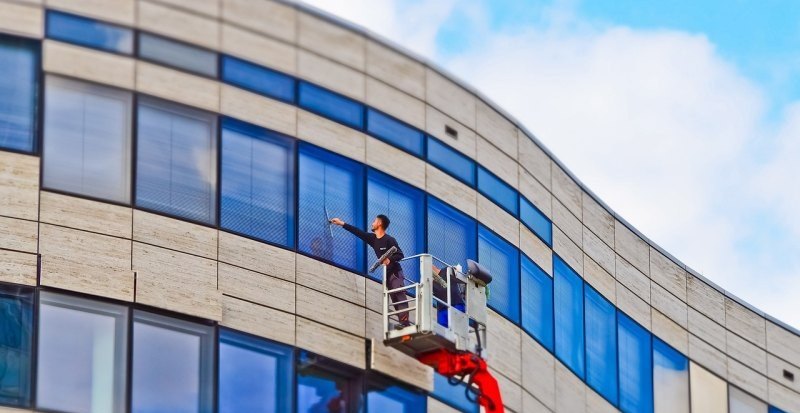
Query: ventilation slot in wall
[[788, 375], [451, 132]]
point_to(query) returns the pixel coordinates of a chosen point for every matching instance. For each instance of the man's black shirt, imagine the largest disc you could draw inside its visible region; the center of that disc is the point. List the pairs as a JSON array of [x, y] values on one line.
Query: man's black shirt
[[380, 246]]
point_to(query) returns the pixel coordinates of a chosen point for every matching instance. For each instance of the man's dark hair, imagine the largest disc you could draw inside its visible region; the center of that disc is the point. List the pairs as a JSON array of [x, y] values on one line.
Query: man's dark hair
[[384, 221]]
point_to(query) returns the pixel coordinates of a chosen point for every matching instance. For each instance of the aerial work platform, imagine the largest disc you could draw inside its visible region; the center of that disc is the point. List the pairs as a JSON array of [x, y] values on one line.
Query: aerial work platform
[[438, 333]]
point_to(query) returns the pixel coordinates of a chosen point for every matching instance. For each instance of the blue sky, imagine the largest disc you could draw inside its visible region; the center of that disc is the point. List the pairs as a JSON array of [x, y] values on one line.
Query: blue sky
[[683, 116]]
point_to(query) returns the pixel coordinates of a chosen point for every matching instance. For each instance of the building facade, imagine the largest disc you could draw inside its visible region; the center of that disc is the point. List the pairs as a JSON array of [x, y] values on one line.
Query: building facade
[[167, 169]]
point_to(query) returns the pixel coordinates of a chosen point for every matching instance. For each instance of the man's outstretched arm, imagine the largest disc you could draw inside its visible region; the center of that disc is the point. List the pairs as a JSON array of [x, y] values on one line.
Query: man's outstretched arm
[[366, 237]]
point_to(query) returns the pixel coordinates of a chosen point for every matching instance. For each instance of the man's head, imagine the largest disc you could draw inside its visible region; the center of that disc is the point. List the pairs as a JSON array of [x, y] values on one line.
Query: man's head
[[381, 221]]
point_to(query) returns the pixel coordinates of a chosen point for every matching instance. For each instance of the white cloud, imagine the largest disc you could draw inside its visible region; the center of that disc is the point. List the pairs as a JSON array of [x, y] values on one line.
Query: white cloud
[[667, 132]]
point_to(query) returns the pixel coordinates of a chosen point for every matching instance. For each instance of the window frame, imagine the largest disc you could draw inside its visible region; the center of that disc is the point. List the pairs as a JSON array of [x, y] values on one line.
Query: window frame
[[138, 34], [423, 144], [88, 45], [505, 185], [37, 115], [472, 183]]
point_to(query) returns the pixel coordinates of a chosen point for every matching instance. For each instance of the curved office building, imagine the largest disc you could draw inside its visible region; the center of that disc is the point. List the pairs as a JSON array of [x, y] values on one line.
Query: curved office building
[[167, 169]]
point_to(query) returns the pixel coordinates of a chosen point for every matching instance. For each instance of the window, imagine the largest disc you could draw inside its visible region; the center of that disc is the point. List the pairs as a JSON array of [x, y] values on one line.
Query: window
[[601, 344], [176, 170], [258, 79], [395, 132], [326, 386], [635, 366], [537, 303], [451, 234], [179, 55], [19, 87], [171, 354], [773, 409], [535, 221], [709, 393], [405, 207], [670, 379], [331, 105], [83, 353], [254, 375], [454, 396], [330, 186], [451, 161], [741, 402], [90, 33], [498, 191], [257, 183], [16, 343], [502, 260], [386, 396], [568, 303], [87, 140]]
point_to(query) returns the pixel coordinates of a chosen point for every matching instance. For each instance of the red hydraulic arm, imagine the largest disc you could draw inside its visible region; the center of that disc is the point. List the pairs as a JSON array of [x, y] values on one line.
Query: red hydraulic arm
[[461, 364]]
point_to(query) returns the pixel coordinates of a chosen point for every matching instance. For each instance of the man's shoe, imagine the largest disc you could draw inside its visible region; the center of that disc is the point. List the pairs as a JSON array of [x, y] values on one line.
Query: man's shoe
[[402, 325]]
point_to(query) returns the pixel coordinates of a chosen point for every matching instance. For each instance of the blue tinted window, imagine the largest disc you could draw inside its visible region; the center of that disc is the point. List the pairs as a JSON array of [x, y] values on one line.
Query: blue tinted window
[[395, 132], [498, 191], [568, 303], [171, 354], [451, 234], [88, 32], [258, 79], [16, 326], [324, 386], [257, 188], [451, 161], [670, 379], [331, 105], [601, 344], [537, 303], [254, 375], [18, 90], [455, 396], [386, 396], [330, 186], [773, 409], [502, 260], [405, 207], [176, 161], [535, 221], [635, 367], [176, 54]]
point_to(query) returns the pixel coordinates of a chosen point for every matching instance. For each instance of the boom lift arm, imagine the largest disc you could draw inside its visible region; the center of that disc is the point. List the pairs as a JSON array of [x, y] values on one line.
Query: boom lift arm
[[463, 364]]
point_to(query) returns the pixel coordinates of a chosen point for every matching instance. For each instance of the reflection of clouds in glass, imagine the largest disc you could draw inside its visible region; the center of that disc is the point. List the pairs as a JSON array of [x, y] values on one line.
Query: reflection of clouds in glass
[[247, 381], [165, 359]]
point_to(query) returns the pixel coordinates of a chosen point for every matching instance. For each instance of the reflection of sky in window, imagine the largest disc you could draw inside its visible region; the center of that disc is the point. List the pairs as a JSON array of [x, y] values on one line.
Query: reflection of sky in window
[[89, 32], [247, 380], [165, 359], [394, 399], [18, 91], [316, 392], [80, 346], [15, 348]]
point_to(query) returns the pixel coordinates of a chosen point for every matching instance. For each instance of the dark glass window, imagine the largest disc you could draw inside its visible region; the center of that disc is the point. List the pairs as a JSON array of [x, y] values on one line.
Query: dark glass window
[[537, 303], [83, 353], [16, 343], [502, 260], [330, 186], [670, 379], [535, 221], [601, 344], [635, 366], [19, 87], [568, 303], [88, 32], [326, 386], [176, 169], [257, 188], [454, 396], [451, 161], [87, 139], [171, 354], [405, 207], [176, 54], [451, 234], [255, 375], [331, 105], [395, 132], [498, 191], [258, 79], [387, 396]]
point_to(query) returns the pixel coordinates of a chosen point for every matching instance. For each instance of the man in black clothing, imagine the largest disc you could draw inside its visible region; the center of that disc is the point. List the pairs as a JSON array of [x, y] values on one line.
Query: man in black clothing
[[380, 242]]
